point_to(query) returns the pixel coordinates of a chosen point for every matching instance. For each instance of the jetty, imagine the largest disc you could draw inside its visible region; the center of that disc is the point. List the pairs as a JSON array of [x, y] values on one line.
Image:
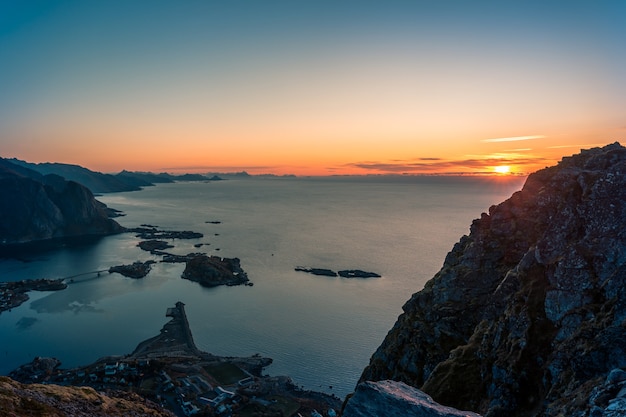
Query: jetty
[[187, 380], [175, 339]]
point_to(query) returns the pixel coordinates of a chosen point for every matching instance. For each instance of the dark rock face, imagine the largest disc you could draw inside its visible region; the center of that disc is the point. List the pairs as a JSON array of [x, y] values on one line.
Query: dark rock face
[[211, 271], [39, 208], [527, 316], [395, 399], [153, 233]]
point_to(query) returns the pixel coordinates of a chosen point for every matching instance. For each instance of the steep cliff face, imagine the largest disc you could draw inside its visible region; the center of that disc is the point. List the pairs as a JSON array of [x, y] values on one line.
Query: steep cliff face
[[527, 316], [35, 207]]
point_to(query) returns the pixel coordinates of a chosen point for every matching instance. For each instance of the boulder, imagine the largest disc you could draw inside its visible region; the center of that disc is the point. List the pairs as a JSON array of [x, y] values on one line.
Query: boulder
[[396, 399]]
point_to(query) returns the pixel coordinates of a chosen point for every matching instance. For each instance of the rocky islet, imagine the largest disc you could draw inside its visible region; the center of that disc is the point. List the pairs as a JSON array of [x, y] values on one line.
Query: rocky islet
[[346, 273]]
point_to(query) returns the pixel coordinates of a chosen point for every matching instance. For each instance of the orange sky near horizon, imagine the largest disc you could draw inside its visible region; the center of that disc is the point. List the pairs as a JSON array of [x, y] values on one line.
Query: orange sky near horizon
[[311, 88]]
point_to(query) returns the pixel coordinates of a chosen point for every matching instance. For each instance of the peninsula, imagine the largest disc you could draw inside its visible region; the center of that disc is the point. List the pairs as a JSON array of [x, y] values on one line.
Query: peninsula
[[169, 371], [13, 294]]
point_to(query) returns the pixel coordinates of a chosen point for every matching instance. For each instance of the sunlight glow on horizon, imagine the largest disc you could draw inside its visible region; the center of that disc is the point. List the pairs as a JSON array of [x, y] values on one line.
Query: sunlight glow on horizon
[[514, 139], [323, 88]]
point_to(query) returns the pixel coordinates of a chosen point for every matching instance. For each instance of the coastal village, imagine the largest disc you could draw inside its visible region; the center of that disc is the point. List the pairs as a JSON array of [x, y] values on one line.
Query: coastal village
[[168, 369], [13, 294], [171, 371]]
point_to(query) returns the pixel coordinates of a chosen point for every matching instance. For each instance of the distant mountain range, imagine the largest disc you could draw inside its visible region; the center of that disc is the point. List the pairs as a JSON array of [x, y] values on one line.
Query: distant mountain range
[[98, 182]]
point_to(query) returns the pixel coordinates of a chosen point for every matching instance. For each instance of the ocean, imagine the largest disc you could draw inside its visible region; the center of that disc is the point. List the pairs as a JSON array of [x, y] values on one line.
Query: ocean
[[319, 330]]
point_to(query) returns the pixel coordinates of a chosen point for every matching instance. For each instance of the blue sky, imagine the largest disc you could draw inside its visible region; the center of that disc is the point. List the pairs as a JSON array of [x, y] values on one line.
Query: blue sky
[[308, 86]]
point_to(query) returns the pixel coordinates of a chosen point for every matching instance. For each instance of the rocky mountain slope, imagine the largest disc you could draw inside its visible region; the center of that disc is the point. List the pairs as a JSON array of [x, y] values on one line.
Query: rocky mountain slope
[[18, 399], [35, 207], [527, 316]]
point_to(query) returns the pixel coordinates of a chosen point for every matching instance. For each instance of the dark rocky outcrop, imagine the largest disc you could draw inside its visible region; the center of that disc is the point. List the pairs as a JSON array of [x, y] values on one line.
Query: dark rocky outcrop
[[316, 271], [211, 271], [346, 273], [395, 399], [527, 316], [36, 208], [357, 273], [38, 369], [154, 233], [153, 245]]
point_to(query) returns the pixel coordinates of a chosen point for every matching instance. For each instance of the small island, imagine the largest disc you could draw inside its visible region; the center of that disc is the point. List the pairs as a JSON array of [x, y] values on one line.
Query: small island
[[357, 273], [150, 233], [153, 245], [135, 270], [211, 271], [346, 273], [316, 271]]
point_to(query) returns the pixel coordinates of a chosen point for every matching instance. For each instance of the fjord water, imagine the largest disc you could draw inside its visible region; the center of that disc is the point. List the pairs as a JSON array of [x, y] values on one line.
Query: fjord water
[[320, 331]]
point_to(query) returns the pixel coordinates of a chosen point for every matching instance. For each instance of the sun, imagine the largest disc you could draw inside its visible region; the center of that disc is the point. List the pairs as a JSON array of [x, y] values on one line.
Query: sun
[[502, 169]]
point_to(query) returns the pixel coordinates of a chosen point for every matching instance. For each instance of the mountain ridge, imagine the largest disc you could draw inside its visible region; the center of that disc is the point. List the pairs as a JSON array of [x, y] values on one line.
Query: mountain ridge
[[527, 316], [37, 207]]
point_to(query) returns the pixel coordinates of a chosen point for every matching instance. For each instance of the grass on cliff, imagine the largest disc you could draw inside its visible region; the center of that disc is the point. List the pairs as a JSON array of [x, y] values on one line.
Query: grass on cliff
[[225, 373], [282, 406]]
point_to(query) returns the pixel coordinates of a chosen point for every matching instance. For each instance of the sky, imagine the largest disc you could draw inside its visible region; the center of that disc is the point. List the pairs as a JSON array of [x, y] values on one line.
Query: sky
[[311, 87]]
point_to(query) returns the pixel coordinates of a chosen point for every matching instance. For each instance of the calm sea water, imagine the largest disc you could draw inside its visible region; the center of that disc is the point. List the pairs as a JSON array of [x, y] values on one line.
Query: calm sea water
[[319, 330]]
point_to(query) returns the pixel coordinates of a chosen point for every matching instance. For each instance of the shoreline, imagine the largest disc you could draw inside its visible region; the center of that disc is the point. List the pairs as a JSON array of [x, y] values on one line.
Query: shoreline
[[170, 370], [13, 294]]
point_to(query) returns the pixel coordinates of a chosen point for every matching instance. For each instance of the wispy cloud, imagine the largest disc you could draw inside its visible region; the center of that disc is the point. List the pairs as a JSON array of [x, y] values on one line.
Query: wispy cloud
[[585, 146], [513, 139], [473, 165]]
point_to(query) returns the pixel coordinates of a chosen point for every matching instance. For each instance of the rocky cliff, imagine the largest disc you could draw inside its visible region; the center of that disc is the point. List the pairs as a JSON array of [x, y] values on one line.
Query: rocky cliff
[[35, 207], [527, 316]]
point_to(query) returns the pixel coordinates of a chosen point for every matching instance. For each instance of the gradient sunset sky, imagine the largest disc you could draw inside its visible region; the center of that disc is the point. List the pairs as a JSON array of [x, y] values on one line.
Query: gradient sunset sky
[[310, 87]]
